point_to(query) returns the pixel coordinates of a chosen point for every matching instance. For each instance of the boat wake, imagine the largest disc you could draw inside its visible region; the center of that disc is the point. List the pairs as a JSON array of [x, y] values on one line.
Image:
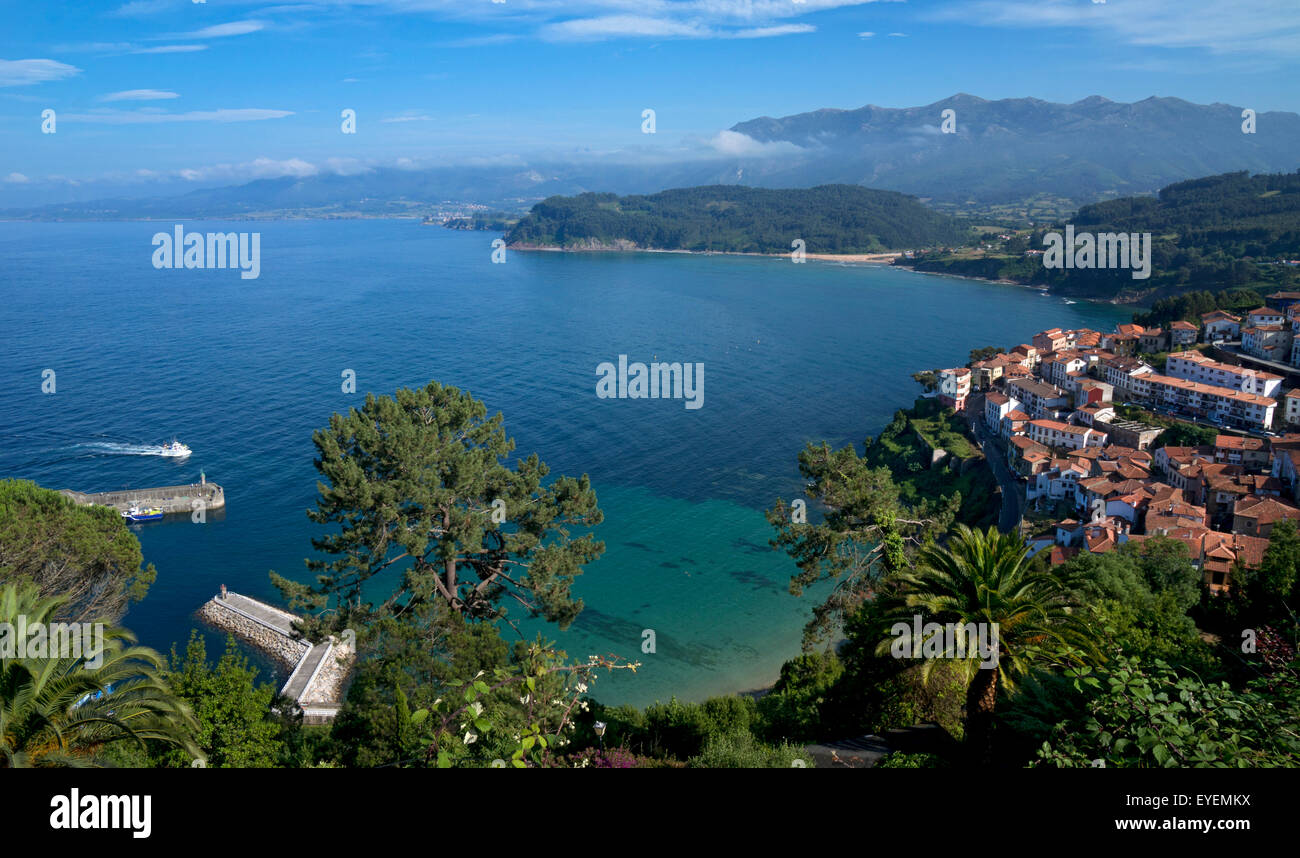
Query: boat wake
[[116, 449]]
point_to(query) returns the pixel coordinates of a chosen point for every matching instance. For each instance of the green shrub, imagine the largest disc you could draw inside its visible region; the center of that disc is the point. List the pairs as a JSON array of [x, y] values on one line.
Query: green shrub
[[901, 760], [740, 750]]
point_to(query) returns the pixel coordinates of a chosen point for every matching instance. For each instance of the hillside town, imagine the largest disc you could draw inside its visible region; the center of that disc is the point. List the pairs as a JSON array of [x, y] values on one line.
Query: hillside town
[[1066, 412]]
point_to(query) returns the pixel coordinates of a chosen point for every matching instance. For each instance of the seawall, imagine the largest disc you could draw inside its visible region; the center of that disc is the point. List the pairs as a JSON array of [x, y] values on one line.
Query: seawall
[[170, 499]]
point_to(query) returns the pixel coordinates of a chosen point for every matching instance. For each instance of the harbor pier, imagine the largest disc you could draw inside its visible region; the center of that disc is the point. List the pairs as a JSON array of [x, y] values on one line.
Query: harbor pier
[[170, 499], [318, 670]]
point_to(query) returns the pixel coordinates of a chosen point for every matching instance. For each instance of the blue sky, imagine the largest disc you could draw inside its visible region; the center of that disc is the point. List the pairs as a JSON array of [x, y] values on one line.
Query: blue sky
[[174, 93]]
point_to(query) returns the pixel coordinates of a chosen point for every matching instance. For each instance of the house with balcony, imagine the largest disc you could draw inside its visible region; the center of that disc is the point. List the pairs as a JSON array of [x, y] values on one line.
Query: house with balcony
[[1267, 342], [1252, 453], [954, 387], [1182, 334], [1220, 326]]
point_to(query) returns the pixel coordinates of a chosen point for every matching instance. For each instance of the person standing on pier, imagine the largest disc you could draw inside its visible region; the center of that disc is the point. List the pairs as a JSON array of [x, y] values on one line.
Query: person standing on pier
[[223, 592]]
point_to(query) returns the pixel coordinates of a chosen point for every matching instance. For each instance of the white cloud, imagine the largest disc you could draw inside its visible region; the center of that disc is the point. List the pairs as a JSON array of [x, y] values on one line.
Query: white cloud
[[409, 117], [170, 49], [140, 8], [26, 72], [259, 168], [139, 95], [17, 179], [154, 116], [1245, 26], [865, 35], [765, 32], [642, 26], [216, 31], [735, 144]]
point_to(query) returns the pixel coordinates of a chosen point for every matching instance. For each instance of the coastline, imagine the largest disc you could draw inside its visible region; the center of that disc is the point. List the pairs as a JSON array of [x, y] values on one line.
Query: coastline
[[888, 258]]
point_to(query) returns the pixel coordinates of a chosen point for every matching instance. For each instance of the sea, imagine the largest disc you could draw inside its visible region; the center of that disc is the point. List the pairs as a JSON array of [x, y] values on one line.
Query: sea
[[243, 371]]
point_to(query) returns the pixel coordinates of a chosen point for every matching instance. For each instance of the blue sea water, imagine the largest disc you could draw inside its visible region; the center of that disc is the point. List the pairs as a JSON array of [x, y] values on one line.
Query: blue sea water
[[244, 370]]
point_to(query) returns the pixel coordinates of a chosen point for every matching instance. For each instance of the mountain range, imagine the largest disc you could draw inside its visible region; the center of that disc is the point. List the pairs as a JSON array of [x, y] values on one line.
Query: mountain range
[[1004, 153]]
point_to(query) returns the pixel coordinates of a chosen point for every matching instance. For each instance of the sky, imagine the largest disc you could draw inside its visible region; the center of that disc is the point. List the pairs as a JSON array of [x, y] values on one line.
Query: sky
[[169, 94]]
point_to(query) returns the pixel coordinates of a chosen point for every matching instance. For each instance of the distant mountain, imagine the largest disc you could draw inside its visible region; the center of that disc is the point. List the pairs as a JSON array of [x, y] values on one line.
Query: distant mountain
[[827, 219], [1020, 158], [1008, 150]]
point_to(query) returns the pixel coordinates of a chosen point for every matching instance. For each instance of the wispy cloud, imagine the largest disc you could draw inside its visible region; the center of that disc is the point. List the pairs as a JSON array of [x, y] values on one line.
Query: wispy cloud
[[170, 49], [598, 20], [141, 8], [642, 26], [27, 72], [139, 95], [154, 116], [217, 31], [409, 117], [1244, 26]]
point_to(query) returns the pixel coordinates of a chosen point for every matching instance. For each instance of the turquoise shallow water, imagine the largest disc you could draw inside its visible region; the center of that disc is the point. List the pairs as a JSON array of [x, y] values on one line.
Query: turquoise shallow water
[[244, 370]]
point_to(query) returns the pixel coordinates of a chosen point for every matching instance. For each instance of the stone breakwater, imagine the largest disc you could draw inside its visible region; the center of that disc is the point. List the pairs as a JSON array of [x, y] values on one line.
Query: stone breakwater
[[209, 497], [318, 672], [284, 649]]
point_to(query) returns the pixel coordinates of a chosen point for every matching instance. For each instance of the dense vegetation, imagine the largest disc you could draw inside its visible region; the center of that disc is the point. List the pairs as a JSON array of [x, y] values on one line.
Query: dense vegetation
[[1123, 657], [83, 554], [905, 447], [1190, 306], [828, 219], [1216, 233]]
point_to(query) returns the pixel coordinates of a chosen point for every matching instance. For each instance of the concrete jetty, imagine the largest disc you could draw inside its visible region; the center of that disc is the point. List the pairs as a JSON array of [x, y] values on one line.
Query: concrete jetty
[[318, 670], [170, 499]]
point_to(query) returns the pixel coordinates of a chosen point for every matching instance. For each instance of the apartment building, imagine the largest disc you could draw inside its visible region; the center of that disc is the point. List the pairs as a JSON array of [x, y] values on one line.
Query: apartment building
[[1268, 342], [1121, 371], [1195, 366], [1291, 412], [1221, 404], [1055, 434], [1038, 398]]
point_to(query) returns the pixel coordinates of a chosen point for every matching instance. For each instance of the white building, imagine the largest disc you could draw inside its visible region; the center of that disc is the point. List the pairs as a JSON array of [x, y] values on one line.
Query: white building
[[1195, 366], [1222, 404], [1053, 433]]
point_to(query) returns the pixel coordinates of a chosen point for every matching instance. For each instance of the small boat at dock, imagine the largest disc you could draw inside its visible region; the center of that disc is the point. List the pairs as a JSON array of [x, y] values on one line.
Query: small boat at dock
[[136, 513]]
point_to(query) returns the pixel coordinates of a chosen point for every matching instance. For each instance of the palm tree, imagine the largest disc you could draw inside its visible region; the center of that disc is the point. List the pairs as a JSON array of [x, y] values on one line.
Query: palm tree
[[984, 578], [65, 708]]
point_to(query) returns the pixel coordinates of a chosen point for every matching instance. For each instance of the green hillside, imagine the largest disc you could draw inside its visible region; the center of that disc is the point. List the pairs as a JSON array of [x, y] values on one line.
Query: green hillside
[[829, 219], [1222, 232]]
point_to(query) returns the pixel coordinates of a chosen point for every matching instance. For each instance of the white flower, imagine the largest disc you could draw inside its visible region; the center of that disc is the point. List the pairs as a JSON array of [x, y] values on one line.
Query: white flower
[[582, 688], [525, 698], [476, 708], [470, 738]]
